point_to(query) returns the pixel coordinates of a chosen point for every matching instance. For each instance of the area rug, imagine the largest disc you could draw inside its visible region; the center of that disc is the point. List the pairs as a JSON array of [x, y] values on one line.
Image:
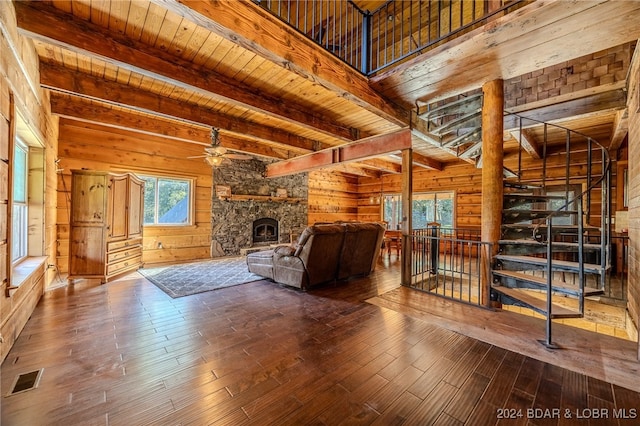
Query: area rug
[[197, 277]]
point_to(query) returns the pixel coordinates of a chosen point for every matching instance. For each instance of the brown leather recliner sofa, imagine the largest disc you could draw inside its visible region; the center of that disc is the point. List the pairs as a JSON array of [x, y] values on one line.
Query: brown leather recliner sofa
[[323, 253]]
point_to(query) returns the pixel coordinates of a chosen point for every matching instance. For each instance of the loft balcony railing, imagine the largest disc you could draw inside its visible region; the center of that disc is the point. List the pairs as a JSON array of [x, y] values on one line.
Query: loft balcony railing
[[372, 40]]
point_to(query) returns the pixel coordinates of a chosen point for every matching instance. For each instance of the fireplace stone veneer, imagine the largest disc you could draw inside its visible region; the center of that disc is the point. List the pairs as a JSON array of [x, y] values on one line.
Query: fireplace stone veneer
[[232, 221]]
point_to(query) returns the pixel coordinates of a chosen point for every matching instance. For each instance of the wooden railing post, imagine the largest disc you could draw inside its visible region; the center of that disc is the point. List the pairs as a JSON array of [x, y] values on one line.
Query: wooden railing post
[[492, 176]]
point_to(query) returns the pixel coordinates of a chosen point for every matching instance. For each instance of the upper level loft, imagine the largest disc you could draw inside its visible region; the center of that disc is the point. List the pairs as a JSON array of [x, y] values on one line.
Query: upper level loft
[[371, 35]]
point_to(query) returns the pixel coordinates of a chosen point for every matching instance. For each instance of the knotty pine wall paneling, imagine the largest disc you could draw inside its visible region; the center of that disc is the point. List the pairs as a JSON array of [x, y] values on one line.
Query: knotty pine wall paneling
[[84, 145]]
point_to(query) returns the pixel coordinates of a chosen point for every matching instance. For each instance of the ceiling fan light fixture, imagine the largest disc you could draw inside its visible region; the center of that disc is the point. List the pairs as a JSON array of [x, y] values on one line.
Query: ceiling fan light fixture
[[214, 161]]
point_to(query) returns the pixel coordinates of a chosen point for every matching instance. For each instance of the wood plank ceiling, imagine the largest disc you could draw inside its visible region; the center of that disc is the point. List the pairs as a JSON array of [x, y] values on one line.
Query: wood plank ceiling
[[180, 68]]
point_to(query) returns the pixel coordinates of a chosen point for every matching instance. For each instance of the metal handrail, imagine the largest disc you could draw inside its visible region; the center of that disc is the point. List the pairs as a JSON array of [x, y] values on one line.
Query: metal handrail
[[367, 41], [580, 196], [577, 199]]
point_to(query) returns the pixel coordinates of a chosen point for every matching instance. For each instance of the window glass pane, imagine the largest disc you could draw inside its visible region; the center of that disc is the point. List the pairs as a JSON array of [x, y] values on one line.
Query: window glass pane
[[444, 212], [392, 211], [19, 225], [557, 204], [149, 200], [173, 201], [166, 201], [20, 175], [19, 232], [427, 208]]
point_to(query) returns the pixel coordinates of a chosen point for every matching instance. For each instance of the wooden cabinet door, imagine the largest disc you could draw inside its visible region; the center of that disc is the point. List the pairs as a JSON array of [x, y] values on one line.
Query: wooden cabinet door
[[135, 206], [87, 251], [118, 197], [88, 195]]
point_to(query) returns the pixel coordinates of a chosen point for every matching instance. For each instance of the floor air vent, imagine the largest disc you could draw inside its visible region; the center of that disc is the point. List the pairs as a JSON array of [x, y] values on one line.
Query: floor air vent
[[26, 381]]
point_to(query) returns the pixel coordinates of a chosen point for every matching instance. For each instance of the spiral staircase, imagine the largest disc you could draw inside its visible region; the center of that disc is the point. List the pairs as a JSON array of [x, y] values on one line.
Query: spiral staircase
[[549, 244]]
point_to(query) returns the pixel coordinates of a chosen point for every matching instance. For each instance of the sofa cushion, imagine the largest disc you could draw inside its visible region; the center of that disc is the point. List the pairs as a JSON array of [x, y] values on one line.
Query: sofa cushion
[[360, 250], [261, 263], [319, 249]]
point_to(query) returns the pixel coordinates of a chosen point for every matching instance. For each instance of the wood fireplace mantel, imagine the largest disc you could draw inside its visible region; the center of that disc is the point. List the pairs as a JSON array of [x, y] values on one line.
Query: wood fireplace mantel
[[237, 197]]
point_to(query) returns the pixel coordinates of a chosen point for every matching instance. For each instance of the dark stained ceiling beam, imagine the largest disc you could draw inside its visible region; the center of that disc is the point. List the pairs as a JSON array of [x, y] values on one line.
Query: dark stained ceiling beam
[[360, 150], [50, 25], [247, 25], [68, 81]]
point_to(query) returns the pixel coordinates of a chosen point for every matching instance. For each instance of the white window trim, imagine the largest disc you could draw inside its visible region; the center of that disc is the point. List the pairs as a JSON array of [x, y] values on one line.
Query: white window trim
[[21, 217], [191, 201]]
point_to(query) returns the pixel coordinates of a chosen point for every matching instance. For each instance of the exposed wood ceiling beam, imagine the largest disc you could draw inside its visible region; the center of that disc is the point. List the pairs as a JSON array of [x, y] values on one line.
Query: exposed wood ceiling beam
[[51, 25], [528, 141], [422, 161], [63, 79], [620, 129], [359, 150], [614, 99], [79, 109], [426, 162], [382, 165], [355, 169], [254, 29]]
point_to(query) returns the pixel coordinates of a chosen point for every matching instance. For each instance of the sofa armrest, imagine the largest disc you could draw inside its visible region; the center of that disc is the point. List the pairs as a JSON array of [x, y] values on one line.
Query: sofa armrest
[[284, 251], [288, 268]]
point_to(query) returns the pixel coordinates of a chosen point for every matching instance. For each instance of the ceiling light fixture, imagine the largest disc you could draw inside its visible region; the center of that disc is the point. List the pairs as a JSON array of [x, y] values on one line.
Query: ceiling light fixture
[[214, 161]]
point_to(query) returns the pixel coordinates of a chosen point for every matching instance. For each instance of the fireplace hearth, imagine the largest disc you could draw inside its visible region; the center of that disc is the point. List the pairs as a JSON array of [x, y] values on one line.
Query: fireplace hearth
[[265, 230]]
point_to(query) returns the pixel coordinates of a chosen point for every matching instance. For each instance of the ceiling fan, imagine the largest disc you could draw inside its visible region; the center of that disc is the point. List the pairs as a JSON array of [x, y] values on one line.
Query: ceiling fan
[[216, 153]]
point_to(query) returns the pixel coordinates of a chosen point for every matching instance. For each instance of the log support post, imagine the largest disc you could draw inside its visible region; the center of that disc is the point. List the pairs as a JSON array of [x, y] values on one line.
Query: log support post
[[492, 177]]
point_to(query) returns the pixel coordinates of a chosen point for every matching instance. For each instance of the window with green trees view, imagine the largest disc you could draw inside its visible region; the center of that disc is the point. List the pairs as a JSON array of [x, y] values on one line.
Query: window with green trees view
[[167, 201], [427, 207]]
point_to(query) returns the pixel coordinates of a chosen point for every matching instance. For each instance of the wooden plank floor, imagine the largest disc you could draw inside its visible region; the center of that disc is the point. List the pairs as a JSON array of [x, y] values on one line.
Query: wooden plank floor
[[125, 353]]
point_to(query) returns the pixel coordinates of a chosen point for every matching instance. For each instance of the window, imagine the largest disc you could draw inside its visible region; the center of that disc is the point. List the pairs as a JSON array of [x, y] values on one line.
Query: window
[[167, 201], [427, 207], [20, 212], [569, 193]]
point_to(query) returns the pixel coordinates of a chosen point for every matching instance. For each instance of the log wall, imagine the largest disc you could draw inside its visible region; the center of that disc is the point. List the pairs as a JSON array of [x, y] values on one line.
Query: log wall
[[466, 181], [20, 92], [332, 196], [633, 103], [91, 146]]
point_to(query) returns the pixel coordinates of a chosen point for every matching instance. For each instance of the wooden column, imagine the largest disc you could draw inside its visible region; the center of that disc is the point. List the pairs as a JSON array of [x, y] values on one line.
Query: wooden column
[[407, 190], [492, 175]]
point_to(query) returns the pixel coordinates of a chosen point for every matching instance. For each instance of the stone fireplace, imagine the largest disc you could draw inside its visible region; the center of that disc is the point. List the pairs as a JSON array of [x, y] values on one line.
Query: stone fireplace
[[265, 230], [237, 224]]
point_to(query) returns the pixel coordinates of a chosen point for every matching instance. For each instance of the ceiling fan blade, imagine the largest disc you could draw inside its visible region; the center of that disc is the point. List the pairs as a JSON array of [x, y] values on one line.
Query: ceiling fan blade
[[198, 156], [238, 156]]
